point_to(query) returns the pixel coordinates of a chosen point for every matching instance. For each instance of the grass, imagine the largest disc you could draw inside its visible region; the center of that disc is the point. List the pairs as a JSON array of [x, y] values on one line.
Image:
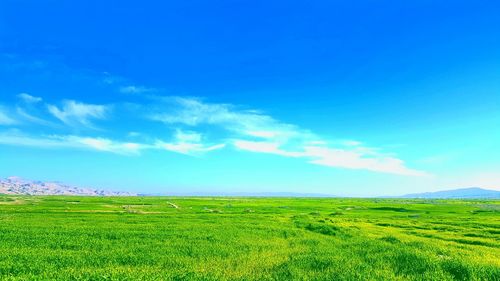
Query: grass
[[160, 238]]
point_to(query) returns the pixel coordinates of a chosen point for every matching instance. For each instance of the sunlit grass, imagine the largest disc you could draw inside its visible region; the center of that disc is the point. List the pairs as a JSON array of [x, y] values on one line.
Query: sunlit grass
[[159, 238]]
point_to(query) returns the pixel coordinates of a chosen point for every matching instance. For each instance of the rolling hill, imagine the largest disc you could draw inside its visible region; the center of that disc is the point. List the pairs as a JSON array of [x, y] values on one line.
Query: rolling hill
[[462, 193], [19, 186]]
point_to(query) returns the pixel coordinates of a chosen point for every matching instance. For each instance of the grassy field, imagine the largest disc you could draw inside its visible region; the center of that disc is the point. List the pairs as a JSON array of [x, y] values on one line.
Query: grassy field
[[160, 238]]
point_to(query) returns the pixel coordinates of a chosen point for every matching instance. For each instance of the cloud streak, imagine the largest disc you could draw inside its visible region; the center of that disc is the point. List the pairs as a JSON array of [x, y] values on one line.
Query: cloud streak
[[200, 127], [254, 131], [189, 143], [5, 119], [16, 138], [78, 114], [70, 141], [32, 119], [131, 89], [27, 98], [194, 112], [335, 157]]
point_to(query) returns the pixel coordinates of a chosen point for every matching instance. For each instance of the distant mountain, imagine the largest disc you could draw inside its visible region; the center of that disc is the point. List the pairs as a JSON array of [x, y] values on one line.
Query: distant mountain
[[463, 193], [19, 186]]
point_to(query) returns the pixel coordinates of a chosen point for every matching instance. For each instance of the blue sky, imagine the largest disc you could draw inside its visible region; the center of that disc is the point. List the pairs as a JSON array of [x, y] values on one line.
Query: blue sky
[[366, 98]]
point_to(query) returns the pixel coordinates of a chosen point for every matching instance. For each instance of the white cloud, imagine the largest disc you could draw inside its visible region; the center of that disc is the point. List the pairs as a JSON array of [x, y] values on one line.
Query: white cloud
[[247, 130], [194, 112], [265, 147], [188, 143], [5, 119], [100, 144], [110, 79], [134, 89], [262, 134], [13, 138], [32, 119], [185, 144], [189, 136], [188, 148], [108, 145], [352, 159], [75, 113], [333, 157], [134, 134], [27, 98], [275, 136]]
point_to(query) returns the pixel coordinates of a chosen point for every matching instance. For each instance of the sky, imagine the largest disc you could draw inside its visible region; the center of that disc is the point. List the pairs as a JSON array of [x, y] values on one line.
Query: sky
[[346, 98]]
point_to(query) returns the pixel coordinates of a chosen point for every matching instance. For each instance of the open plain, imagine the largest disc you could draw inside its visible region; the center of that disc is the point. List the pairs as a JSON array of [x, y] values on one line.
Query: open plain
[[228, 238]]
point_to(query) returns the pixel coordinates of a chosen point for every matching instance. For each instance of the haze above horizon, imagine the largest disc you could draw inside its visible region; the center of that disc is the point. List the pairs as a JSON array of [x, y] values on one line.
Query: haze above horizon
[[352, 99]]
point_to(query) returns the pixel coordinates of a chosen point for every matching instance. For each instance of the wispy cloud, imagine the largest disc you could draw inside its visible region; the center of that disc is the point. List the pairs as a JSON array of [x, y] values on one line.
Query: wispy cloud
[[108, 145], [135, 89], [188, 143], [201, 127], [255, 131], [335, 157], [183, 144], [352, 159], [27, 98], [32, 119], [188, 148], [5, 118], [265, 147], [194, 112], [18, 139], [76, 113], [55, 141]]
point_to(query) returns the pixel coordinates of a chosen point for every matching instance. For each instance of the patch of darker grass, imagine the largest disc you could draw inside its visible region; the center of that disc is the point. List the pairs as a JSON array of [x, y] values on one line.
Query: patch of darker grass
[[458, 270], [473, 235], [318, 263], [492, 231], [322, 229], [394, 225], [426, 235], [390, 239], [394, 209], [474, 212], [282, 271], [474, 242]]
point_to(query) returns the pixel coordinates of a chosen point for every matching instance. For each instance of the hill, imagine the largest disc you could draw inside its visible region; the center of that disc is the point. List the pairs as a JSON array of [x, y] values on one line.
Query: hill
[[462, 193], [19, 186]]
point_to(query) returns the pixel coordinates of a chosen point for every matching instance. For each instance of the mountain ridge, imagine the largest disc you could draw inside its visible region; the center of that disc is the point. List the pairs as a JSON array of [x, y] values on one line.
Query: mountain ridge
[[19, 186], [459, 193]]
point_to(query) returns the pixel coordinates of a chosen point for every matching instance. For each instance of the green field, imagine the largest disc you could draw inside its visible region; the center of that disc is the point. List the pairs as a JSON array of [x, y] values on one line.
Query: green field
[[160, 238]]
